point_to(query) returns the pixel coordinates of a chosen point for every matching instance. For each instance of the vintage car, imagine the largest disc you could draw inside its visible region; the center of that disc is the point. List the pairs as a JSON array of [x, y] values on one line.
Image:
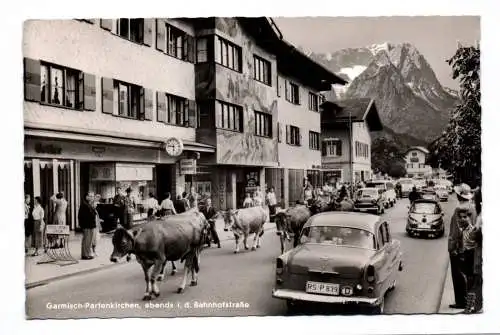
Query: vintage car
[[369, 199], [441, 192], [406, 186], [389, 193], [425, 217], [342, 258], [429, 194]]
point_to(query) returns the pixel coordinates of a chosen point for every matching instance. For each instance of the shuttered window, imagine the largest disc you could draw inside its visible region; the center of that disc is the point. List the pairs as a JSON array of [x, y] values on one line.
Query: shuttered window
[[313, 140], [131, 29], [332, 147], [313, 102], [228, 54], [292, 92], [263, 124], [174, 42], [228, 116], [293, 136], [59, 86]]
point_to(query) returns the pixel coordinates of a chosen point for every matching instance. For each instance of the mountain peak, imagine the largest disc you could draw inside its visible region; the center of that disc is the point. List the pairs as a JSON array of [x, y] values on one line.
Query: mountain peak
[[376, 48]]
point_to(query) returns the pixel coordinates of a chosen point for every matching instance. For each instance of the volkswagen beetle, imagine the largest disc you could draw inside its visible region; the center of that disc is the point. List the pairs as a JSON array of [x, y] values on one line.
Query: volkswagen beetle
[[342, 258], [425, 217]]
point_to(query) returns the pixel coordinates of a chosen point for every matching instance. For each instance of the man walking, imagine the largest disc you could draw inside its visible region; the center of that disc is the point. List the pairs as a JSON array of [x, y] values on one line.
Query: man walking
[[455, 244], [87, 219], [271, 202], [210, 213]]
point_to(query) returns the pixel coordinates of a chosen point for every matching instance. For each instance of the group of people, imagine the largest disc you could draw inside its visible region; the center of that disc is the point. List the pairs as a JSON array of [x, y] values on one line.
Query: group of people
[[465, 249], [35, 220]]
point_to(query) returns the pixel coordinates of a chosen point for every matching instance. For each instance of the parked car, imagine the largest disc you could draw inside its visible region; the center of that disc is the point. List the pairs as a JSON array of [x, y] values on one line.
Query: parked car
[[441, 192], [369, 200], [406, 186], [389, 192], [425, 217], [342, 258]]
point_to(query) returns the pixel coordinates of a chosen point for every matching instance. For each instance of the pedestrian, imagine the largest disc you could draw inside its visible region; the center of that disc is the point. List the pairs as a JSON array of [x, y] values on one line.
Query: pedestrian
[[257, 199], [455, 245], [193, 198], [87, 220], [271, 202], [38, 224], [129, 208], [61, 206], [186, 200], [398, 190], [151, 205], [28, 223], [248, 202], [180, 205], [167, 206], [210, 214], [119, 203], [413, 195]]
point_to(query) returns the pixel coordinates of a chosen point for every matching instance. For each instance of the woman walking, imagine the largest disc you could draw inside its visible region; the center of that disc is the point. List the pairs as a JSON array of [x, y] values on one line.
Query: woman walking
[[38, 225], [60, 205], [87, 219]]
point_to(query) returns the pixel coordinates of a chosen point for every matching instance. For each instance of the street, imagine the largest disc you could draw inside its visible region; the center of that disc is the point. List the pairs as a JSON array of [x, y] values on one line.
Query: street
[[245, 280]]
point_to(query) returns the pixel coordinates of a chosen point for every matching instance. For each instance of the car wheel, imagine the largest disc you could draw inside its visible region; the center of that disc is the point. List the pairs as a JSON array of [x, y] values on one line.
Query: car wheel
[[292, 307], [382, 210]]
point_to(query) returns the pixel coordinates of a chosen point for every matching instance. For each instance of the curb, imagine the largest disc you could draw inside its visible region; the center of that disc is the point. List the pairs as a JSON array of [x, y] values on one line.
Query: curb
[[91, 270], [439, 306]]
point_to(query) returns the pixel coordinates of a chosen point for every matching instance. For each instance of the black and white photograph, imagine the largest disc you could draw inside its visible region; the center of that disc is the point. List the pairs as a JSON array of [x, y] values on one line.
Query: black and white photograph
[[265, 165]]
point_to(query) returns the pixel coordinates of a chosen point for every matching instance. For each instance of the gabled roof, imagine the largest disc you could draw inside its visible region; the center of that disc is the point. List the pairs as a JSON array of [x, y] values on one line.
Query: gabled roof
[[422, 149], [359, 109], [290, 60]]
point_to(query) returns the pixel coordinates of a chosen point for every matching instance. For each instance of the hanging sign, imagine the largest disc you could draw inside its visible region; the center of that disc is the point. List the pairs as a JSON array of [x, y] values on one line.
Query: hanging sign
[[188, 166]]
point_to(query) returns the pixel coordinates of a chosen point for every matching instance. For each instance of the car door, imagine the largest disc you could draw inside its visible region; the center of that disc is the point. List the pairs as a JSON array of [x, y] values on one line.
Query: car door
[[380, 261]]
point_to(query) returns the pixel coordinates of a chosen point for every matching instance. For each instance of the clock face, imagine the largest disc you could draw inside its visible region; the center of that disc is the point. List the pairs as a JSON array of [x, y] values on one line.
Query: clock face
[[173, 147]]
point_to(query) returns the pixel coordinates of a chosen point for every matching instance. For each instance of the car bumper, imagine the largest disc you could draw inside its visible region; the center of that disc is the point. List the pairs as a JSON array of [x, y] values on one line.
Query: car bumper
[[303, 296], [424, 230], [365, 208]]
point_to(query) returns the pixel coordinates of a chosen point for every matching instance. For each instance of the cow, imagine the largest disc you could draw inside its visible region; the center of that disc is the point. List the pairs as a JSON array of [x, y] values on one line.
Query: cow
[[291, 220], [172, 238], [244, 222]]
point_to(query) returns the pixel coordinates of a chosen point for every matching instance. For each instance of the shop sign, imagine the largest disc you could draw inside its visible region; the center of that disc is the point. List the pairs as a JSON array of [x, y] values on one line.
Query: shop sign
[[188, 166], [48, 149], [102, 172], [134, 172], [52, 229]]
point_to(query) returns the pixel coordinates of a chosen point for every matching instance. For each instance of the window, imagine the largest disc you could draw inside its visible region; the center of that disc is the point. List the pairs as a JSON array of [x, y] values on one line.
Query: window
[[131, 29], [129, 100], [313, 102], [362, 150], [263, 124], [261, 70], [313, 140], [61, 86], [332, 147], [177, 110], [291, 92], [293, 135], [175, 42], [202, 50], [228, 54], [228, 116]]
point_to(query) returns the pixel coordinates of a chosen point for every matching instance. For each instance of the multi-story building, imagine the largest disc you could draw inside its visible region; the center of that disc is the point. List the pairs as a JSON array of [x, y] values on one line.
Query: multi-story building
[[139, 102], [415, 162], [108, 103], [345, 138]]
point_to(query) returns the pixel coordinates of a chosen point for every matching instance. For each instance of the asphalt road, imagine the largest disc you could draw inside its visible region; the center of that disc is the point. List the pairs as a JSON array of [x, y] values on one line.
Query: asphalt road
[[240, 284]]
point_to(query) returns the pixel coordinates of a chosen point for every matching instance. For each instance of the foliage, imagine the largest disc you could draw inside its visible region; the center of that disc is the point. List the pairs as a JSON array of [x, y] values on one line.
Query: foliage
[[458, 149], [388, 158]]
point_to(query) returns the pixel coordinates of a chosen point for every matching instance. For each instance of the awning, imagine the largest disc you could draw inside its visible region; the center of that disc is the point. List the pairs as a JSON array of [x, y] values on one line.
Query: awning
[[108, 137]]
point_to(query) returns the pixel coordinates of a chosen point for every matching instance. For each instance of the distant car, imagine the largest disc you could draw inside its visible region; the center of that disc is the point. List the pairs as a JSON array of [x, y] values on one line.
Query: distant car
[[369, 199], [425, 217], [441, 192], [389, 192], [406, 186], [429, 193], [342, 258], [419, 183]]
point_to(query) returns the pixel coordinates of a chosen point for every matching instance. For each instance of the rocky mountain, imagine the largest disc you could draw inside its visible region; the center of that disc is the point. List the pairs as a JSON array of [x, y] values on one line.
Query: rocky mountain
[[409, 97]]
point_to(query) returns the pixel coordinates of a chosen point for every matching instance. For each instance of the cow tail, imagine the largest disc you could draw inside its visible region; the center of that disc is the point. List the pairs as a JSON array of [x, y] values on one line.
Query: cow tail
[[196, 265]]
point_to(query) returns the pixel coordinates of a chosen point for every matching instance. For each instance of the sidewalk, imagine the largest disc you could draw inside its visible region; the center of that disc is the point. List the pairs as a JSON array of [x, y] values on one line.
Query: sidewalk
[[448, 296], [41, 274]]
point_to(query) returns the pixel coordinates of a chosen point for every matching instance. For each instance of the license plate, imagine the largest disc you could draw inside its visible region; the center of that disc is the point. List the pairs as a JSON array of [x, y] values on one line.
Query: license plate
[[322, 288], [424, 226], [363, 209]]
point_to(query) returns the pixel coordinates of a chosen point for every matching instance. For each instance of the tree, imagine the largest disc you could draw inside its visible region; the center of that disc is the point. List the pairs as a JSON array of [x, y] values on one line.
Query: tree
[[388, 158], [458, 149]]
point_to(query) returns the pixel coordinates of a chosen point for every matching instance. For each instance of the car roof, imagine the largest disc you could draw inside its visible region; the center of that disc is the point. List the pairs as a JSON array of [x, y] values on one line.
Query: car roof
[[368, 188], [364, 221], [432, 201]]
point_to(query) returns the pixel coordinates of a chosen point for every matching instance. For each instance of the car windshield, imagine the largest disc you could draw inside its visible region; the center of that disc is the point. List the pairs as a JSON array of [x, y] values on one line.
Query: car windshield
[[377, 185], [405, 181], [339, 236], [425, 208], [368, 193]]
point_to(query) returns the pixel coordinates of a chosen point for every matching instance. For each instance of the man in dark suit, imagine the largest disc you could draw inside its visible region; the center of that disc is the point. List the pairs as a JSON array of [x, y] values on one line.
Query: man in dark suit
[[210, 214]]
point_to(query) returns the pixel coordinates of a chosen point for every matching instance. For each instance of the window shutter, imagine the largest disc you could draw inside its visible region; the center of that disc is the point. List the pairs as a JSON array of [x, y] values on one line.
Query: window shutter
[[89, 92], [161, 110], [148, 31], [278, 133], [107, 24], [81, 92], [288, 141], [32, 79], [161, 33], [300, 136], [339, 148], [107, 95], [323, 148], [148, 104], [141, 113], [192, 113], [191, 48]]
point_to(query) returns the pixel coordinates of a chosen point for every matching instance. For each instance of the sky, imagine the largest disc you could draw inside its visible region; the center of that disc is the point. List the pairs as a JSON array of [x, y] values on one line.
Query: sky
[[435, 37]]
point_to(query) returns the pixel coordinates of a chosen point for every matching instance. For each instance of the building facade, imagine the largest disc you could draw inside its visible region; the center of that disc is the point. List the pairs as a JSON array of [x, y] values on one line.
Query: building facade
[[103, 100], [415, 162], [346, 140]]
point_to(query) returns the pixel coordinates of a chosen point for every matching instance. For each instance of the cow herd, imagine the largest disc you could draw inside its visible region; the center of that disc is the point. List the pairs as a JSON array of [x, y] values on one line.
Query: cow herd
[[182, 237]]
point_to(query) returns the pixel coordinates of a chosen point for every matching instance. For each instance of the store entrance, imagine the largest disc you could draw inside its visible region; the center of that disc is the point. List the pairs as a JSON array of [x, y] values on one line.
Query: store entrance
[[164, 181]]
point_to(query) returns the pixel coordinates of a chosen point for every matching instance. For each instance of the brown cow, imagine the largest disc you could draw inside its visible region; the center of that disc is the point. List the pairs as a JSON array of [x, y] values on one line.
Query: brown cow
[[176, 237], [244, 222], [291, 220]]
